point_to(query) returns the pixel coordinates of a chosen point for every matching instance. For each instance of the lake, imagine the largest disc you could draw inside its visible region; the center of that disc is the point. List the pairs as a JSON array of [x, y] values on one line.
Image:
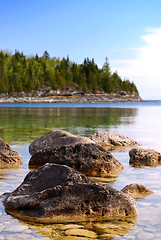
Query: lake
[[20, 124]]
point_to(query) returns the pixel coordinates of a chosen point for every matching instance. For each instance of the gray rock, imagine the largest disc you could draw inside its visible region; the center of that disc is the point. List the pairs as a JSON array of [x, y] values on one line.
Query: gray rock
[[55, 139], [89, 159], [8, 157], [137, 190], [56, 193], [144, 157], [80, 153], [113, 139]]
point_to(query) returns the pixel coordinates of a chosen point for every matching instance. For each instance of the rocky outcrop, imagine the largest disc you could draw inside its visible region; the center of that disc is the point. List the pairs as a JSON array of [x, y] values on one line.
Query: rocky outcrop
[[66, 149], [56, 193], [137, 190], [144, 157], [56, 139], [59, 96], [113, 139], [8, 157]]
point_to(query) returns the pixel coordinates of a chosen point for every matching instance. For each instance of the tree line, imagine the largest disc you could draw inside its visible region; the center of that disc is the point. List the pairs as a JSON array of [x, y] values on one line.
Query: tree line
[[20, 73]]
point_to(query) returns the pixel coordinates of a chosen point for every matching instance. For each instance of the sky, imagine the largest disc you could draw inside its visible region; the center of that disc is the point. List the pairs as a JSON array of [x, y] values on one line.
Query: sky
[[127, 32]]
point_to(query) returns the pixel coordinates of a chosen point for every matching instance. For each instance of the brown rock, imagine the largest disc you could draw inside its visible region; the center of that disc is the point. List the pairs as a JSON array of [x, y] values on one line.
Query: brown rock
[[144, 157], [136, 190], [113, 139], [56, 139], [89, 159], [55, 193], [8, 157]]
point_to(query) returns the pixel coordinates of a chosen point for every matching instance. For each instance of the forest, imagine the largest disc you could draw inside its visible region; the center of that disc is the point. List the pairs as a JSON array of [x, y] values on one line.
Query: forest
[[20, 73]]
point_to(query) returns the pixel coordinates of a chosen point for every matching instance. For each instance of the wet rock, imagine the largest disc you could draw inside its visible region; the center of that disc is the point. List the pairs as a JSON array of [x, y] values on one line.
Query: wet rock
[[136, 190], [77, 152], [8, 157], [144, 157], [69, 226], [81, 233], [73, 238], [89, 159], [113, 139], [56, 139], [114, 228], [56, 193]]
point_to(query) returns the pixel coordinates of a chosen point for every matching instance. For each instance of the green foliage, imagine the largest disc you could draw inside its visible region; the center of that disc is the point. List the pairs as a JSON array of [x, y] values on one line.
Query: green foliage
[[18, 73]]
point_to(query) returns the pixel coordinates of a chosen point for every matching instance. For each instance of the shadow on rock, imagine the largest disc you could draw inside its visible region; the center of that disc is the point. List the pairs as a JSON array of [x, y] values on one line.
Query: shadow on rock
[[57, 193]]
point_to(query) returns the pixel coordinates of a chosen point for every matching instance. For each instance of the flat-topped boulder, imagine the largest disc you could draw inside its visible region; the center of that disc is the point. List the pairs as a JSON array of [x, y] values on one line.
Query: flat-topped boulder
[[112, 140], [80, 153], [137, 190], [144, 157], [56, 139], [8, 157], [58, 193]]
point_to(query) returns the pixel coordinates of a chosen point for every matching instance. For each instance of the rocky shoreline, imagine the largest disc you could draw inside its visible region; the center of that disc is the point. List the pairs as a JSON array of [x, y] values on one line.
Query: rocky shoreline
[[70, 98]]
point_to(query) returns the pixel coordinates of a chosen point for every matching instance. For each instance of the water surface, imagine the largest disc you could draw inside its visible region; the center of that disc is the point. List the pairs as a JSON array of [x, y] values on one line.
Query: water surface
[[20, 124]]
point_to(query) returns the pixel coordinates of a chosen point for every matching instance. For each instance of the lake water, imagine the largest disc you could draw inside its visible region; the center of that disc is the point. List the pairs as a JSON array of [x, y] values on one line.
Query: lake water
[[20, 124]]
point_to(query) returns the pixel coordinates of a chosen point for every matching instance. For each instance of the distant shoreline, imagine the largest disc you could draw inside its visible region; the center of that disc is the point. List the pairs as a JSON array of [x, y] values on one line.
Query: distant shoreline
[[87, 98]]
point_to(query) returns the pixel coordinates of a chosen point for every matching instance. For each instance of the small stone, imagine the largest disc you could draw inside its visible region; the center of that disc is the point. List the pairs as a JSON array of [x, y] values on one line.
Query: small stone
[[137, 190], [81, 232], [73, 238], [69, 226], [107, 236]]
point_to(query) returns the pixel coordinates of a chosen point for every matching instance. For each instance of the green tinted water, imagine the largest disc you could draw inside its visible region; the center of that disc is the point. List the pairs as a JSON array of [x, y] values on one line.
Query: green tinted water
[[21, 125]]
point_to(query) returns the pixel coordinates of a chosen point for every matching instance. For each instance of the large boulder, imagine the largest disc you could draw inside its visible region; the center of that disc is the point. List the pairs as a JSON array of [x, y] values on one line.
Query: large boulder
[[8, 157], [88, 158], [112, 139], [137, 190], [57, 193], [56, 139], [144, 157]]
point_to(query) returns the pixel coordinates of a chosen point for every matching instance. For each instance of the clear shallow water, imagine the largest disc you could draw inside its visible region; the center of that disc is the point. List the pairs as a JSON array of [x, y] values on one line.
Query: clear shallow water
[[20, 124]]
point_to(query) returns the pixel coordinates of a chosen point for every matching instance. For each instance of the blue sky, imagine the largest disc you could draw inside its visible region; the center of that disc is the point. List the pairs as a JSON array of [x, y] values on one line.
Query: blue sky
[[127, 32]]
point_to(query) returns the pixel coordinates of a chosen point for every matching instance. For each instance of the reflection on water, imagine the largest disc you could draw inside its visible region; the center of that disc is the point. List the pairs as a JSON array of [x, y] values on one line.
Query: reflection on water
[[26, 124], [20, 126]]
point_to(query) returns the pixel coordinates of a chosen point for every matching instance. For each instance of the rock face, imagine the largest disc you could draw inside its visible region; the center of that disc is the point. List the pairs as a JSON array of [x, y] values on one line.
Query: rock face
[[88, 158], [56, 193], [8, 157], [136, 190], [144, 157], [113, 139], [56, 139]]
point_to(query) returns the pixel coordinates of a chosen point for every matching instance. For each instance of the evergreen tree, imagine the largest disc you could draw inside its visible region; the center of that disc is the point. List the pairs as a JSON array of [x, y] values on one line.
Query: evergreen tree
[[18, 73]]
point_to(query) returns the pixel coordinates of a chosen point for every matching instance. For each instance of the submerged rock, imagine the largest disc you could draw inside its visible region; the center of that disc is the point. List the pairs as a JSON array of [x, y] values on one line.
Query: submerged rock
[[144, 157], [113, 139], [88, 158], [110, 229], [137, 190], [8, 157], [55, 193]]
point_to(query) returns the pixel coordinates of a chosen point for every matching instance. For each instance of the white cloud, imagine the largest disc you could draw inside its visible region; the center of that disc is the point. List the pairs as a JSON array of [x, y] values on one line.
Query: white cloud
[[145, 69]]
